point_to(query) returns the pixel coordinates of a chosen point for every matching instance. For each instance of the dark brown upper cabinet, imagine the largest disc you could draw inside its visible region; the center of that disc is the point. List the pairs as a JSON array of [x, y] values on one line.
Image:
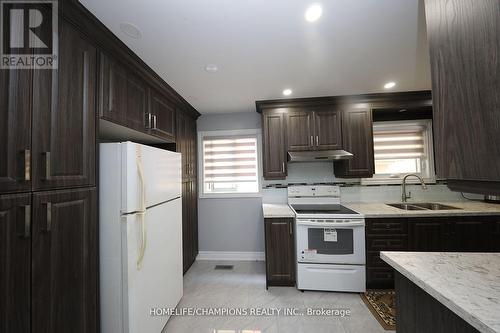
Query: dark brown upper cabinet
[[161, 117], [300, 130], [280, 252], [123, 95], [15, 130], [274, 144], [357, 132], [464, 51], [327, 129], [15, 262], [63, 145], [64, 261], [314, 129]]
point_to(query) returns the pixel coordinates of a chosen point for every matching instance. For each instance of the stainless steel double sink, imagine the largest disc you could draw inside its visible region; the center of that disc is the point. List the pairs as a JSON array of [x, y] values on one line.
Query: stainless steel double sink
[[422, 206]]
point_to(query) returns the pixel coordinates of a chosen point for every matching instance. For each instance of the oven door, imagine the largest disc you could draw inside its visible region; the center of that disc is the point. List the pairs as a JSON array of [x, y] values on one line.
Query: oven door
[[331, 241]]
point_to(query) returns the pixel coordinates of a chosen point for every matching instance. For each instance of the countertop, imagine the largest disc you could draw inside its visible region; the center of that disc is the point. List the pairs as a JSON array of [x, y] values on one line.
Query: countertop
[[374, 210], [466, 283], [277, 210]]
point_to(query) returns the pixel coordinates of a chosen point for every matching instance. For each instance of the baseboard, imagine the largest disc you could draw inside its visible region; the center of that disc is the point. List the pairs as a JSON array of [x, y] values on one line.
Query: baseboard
[[236, 256]]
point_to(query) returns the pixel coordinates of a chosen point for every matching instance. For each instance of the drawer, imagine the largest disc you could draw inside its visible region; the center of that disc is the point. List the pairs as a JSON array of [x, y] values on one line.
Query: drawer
[[386, 243], [373, 260], [386, 226]]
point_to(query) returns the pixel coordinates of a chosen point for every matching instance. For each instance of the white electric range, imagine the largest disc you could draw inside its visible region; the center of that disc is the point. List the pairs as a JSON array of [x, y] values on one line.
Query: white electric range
[[330, 240]]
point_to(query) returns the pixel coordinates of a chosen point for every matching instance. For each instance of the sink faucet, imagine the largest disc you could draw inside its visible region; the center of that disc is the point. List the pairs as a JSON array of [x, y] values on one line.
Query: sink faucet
[[404, 197]]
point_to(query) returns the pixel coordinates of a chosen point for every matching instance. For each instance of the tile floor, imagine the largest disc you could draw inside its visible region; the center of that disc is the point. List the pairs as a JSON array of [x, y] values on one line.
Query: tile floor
[[244, 287]]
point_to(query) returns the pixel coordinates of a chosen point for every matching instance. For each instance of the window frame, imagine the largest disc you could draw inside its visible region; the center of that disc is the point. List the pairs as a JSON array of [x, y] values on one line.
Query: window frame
[[201, 180], [428, 147]]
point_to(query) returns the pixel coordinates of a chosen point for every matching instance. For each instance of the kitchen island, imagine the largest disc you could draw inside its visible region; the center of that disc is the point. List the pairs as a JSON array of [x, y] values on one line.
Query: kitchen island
[[446, 291]]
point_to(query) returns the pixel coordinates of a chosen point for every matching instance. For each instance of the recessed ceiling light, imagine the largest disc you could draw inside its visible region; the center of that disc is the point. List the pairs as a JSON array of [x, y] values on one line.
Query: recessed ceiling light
[[130, 30], [313, 12], [390, 85], [287, 92], [211, 68]]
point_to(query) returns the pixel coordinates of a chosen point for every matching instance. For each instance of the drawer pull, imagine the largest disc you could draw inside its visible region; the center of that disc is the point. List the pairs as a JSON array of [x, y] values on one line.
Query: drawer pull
[[27, 165]]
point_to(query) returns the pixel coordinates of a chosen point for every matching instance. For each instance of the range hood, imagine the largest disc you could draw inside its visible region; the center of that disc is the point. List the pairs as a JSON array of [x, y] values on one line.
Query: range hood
[[318, 156]]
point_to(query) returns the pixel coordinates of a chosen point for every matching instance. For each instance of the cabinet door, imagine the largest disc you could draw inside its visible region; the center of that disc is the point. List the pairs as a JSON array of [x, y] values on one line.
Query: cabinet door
[[65, 257], [64, 114], [357, 133], [181, 143], [469, 234], [186, 226], [300, 131], [464, 54], [192, 140], [273, 124], [123, 97], [280, 251], [15, 130], [194, 210], [163, 113], [15, 262], [327, 130], [494, 241], [428, 234]]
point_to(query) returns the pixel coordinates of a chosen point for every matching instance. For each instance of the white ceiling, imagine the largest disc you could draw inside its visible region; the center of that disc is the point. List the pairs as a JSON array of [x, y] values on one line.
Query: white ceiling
[[264, 46]]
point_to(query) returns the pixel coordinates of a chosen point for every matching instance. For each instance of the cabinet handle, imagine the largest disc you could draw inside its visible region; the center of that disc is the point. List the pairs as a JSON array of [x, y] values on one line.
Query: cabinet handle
[[47, 165], [24, 230], [27, 165], [283, 167], [317, 140], [312, 141], [48, 222], [148, 120], [290, 228], [155, 118]]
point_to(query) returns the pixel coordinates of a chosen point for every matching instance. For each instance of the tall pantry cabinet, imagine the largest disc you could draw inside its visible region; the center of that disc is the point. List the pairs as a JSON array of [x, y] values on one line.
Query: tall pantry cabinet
[[48, 214]]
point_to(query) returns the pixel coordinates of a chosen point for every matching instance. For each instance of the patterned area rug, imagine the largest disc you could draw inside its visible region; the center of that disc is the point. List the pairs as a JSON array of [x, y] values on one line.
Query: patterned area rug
[[382, 304]]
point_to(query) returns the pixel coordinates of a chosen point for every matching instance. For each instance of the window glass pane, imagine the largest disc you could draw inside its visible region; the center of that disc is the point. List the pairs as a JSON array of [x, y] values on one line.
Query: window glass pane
[[230, 164]]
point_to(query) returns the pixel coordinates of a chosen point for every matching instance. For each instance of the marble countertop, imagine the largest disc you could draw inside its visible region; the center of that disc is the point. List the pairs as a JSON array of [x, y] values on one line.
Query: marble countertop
[[277, 210], [374, 210], [466, 283]]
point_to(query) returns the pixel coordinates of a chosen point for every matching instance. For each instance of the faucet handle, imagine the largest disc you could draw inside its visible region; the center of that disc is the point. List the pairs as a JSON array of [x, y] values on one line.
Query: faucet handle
[[409, 195]]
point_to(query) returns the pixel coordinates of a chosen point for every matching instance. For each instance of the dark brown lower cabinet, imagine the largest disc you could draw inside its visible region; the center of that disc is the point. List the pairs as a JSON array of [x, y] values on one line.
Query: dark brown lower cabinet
[[15, 262], [280, 252], [64, 262], [426, 234], [420, 312], [189, 223]]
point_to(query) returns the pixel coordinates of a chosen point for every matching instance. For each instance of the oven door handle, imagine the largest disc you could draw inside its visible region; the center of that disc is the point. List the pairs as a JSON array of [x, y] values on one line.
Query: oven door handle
[[331, 224]]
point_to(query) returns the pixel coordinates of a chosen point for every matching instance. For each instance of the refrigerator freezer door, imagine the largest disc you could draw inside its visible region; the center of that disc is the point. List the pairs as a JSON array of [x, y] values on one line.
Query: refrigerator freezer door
[[161, 170], [158, 284]]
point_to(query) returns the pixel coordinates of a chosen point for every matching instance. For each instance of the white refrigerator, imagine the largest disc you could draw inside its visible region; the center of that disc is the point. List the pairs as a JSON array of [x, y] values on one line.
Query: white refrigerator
[[140, 236]]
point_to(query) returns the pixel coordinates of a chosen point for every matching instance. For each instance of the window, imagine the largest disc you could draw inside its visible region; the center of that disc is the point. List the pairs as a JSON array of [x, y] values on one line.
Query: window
[[230, 163], [400, 148]]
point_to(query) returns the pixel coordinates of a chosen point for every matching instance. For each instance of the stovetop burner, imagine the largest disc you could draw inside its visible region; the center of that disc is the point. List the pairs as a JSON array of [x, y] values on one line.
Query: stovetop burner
[[318, 210]]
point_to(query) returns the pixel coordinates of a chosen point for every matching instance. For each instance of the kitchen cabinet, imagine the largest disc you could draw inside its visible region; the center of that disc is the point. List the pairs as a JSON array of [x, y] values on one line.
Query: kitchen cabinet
[[280, 252], [123, 95], [63, 142], [428, 234], [314, 128], [161, 116], [357, 133], [186, 141], [300, 130], [64, 261], [15, 130], [274, 143], [464, 51], [15, 262]]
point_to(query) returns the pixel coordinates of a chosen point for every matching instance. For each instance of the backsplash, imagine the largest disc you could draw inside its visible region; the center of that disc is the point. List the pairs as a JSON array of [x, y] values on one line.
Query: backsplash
[[314, 173]]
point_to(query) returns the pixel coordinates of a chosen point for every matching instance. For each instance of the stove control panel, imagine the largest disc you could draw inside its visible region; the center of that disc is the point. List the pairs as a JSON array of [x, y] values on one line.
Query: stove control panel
[[314, 191]]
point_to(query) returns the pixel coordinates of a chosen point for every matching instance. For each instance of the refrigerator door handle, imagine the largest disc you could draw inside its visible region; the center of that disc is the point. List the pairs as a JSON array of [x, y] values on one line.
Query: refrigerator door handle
[[142, 212]]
